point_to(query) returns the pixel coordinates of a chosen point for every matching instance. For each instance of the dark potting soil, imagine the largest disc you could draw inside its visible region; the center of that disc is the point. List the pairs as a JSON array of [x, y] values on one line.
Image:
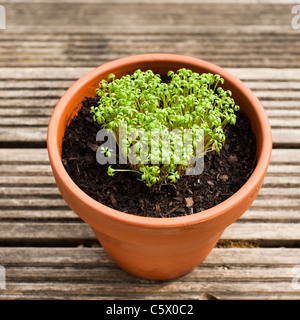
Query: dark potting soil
[[223, 175]]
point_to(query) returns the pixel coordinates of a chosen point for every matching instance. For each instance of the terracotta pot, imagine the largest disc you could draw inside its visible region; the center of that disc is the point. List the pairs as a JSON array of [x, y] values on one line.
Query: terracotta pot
[[157, 248]]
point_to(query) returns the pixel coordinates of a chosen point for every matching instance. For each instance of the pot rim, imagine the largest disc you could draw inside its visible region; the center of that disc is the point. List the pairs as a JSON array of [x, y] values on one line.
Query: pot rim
[[241, 196]]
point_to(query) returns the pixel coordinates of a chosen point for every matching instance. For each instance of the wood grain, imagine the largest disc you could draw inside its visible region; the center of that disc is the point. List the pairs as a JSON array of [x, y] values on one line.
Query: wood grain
[[47, 251], [87, 273]]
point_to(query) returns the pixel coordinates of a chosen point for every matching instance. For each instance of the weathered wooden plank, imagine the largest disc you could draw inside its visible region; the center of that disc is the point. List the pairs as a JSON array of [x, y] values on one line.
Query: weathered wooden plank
[[88, 47], [28, 103], [32, 192], [74, 273], [266, 73], [265, 233], [278, 202], [46, 203], [280, 214], [287, 156], [91, 257], [28, 187], [286, 129], [265, 194], [267, 210], [244, 60], [36, 160], [46, 233], [13, 121], [278, 192], [57, 214], [114, 275], [200, 15], [86, 51], [274, 85], [31, 94], [39, 214], [156, 1], [21, 135], [88, 272], [79, 39], [29, 116], [33, 203], [57, 93], [199, 296], [286, 138], [273, 203], [40, 156], [43, 169], [55, 257], [285, 169], [24, 181], [39, 107], [278, 36], [50, 103], [179, 296], [43, 112], [42, 73], [41, 116], [282, 137], [246, 74], [16, 84], [166, 290], [35, 192], [49, 232], [288, 114], [149, 14], [273, 30]]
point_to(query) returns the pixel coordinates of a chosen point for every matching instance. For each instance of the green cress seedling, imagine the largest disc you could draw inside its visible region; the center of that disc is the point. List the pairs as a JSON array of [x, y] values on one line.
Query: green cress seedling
[[189, 101]]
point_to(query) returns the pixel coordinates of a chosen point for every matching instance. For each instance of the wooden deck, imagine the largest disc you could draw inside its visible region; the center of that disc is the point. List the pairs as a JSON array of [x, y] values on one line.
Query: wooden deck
[[46, 250]]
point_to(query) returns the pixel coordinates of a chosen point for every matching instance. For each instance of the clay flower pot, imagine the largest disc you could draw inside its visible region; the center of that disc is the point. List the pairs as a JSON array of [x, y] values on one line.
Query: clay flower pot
[[157, 248]]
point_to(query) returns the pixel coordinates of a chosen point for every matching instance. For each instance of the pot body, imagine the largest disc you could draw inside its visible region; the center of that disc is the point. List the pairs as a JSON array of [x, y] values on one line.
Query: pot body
[[157, 248]]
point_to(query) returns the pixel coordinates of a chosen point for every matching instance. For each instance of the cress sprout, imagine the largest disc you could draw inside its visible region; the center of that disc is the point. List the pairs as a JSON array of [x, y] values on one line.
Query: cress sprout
[[188, 101]]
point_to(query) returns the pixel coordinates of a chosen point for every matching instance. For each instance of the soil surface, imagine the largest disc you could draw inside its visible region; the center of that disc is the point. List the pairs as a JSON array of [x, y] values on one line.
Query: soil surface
[[223, 174]]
